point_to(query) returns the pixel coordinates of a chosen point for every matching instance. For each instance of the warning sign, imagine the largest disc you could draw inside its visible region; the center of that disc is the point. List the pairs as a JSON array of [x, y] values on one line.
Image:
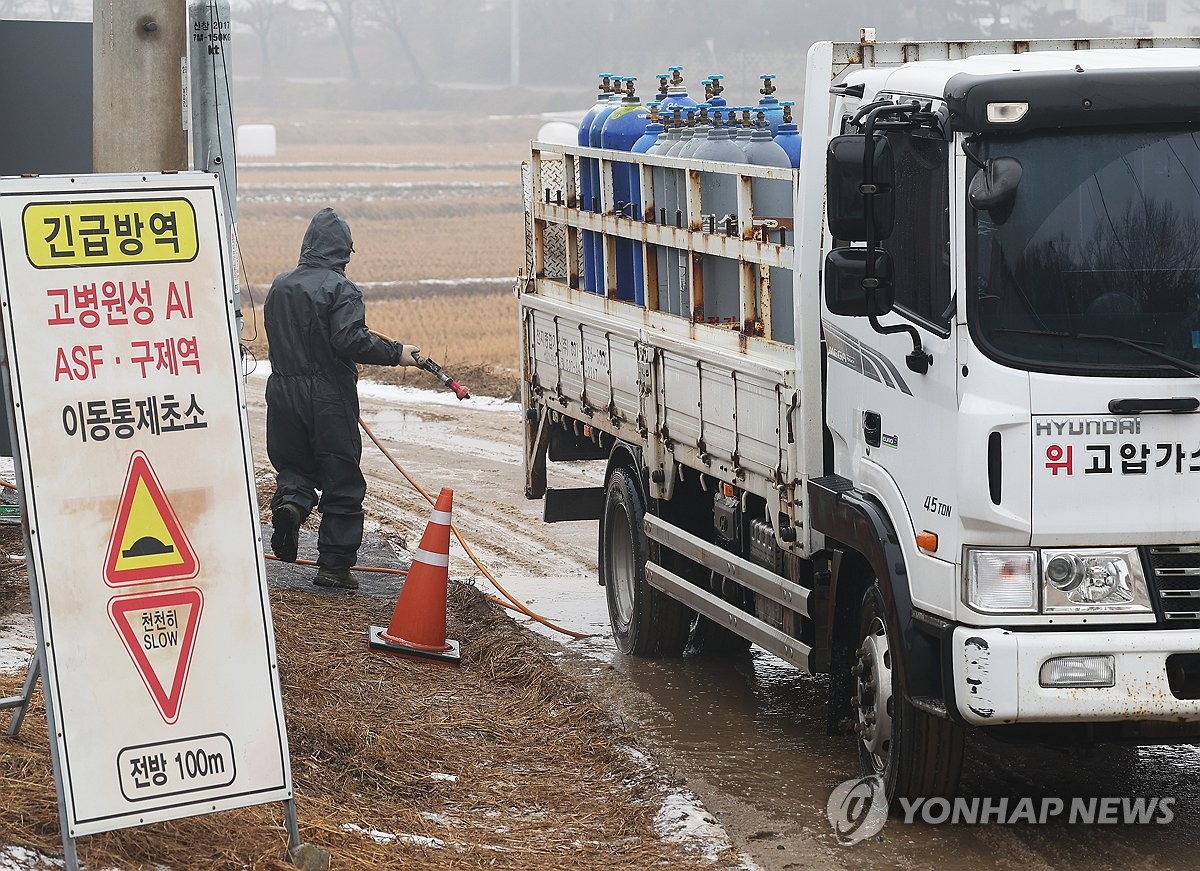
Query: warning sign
[[159, 630], [147, 542], [129, 409]]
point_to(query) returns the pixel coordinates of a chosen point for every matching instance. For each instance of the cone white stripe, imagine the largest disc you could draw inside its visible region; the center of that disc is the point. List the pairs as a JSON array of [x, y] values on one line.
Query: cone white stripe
[[431, 559], [442, 518]]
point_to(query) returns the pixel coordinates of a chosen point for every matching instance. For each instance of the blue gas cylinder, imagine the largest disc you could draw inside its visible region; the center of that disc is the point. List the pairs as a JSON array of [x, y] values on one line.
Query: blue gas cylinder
[[788, 135], [603, 99], [672, 91], [713, 90], [593, 247], [624, 126], [769, 104]]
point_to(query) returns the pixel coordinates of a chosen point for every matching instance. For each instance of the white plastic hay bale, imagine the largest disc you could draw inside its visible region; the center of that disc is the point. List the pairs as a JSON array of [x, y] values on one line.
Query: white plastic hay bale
[[256, 140], [559, 133]]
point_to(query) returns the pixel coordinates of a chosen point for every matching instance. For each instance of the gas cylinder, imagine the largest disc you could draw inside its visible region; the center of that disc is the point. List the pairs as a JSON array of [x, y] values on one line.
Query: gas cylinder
[[603, 99], [713, 90], [774, 210], [700, 132], [664, 195], [719, 209], [769, 104], [672, 91], [624, 126], [675, 187], [745, 128], [788, 135], [592, 243]]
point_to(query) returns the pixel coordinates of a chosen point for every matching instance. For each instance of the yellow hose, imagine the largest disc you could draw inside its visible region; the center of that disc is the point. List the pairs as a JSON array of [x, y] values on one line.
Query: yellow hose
[[515, 604]]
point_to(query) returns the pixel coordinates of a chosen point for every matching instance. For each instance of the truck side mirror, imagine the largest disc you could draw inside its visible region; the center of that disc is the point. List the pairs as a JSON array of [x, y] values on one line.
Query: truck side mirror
[[994, 188], [848, 187], [849, 292]]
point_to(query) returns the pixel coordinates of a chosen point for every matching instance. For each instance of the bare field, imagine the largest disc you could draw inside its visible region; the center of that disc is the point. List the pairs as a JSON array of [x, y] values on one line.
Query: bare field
[[434, 204], [392, 249]]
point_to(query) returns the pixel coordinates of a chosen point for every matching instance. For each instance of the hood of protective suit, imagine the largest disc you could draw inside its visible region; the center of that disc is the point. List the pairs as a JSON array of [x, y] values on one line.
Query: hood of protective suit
[[327, 242]]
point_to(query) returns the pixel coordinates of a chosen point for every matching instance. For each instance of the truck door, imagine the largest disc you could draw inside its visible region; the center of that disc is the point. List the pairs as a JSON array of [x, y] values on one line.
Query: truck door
[[894, 429]]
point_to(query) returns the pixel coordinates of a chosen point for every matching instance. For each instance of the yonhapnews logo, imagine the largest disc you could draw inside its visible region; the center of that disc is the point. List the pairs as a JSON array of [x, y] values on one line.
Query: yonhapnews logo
[[858, 809]]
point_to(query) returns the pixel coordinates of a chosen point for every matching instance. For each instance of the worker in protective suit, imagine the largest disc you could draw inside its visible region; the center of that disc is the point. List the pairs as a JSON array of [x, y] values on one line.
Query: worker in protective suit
[[316, 327]]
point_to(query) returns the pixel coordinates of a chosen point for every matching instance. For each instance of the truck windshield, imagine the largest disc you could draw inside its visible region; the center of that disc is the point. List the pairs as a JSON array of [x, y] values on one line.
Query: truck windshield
[[1102, 240]]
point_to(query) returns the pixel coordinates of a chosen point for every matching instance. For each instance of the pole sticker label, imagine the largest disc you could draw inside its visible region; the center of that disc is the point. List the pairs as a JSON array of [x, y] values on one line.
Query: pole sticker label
[[147, 543], [159, 631]]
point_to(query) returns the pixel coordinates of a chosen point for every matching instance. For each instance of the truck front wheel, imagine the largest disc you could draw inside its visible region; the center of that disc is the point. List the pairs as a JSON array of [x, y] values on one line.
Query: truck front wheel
[[645, 621], [916, 754]]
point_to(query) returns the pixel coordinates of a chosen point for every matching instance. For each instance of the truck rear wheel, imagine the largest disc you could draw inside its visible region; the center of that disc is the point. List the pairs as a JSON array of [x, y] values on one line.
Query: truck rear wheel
[[917, 755], [645, 621]]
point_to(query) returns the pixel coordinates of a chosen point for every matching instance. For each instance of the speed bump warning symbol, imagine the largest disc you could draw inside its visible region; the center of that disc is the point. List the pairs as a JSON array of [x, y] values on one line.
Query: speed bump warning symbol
[[147, 543]]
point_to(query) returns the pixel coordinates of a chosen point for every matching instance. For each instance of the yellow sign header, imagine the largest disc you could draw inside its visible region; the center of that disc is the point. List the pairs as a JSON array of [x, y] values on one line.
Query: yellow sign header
[[110, 233]]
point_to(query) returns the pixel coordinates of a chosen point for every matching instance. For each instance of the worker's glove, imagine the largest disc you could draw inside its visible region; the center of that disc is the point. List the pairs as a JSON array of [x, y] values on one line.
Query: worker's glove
[[408, 355]]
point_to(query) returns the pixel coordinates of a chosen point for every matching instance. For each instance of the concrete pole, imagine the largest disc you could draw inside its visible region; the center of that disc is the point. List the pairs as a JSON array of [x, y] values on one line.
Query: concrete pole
[[514, 56], [137, 97]]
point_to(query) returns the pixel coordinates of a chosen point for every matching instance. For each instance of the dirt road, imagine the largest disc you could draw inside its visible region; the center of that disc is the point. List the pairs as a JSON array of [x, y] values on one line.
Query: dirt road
[[746, 735]]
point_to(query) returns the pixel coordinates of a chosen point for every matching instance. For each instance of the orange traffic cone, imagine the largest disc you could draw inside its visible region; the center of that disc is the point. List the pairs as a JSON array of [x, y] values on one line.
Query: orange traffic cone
[[418, 626]]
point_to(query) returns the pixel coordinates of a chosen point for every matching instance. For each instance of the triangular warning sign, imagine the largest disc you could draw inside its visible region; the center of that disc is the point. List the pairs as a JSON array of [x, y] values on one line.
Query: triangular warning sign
[[147, 543], [159, 631]]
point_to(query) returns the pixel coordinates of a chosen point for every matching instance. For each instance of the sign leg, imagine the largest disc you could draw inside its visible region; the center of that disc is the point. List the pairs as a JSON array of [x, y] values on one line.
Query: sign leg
[[293, 825], [20, 704]]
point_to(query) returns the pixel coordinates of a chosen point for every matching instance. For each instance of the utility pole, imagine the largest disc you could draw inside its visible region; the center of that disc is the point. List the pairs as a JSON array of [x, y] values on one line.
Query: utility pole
[[514, 51], [138, 48]]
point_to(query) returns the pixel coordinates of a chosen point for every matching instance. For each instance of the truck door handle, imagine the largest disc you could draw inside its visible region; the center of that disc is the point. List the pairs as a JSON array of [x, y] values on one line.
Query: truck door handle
[[872, 428], [1175, 405]]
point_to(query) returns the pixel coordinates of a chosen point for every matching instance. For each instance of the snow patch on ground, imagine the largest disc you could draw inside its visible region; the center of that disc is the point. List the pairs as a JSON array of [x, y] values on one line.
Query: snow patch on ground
[[388, 838], [17, 642], [683, 820], [21, 859]]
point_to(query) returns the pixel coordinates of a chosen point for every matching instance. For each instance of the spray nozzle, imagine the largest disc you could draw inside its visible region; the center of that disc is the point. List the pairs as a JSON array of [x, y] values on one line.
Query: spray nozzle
[[768, 87], [676, 75]]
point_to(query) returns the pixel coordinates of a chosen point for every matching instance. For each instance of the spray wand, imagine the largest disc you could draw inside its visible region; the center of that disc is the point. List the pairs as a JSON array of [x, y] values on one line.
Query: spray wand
[[440, 373], [432, 368]]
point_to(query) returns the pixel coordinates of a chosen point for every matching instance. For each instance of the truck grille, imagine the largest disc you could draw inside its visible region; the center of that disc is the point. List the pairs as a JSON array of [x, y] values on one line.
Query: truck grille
[[1176, 570]]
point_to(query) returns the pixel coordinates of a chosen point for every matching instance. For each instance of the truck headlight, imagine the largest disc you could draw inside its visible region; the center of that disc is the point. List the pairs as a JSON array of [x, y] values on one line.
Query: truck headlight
[[1084, 580], [1002, 581]]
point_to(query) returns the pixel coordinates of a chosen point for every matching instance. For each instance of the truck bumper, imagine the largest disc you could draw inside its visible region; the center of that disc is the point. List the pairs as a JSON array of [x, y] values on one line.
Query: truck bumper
[[997, 676]]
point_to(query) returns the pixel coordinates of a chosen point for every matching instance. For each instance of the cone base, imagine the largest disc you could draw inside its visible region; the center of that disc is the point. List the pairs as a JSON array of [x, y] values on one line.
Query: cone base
[[377, 640]]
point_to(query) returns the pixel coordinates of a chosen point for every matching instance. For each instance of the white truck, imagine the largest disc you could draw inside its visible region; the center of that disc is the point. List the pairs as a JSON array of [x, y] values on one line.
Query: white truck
[[961, 474]]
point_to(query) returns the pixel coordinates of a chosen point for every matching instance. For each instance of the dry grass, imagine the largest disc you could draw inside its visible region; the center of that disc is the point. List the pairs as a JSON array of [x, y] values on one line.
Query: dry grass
[[542, 781], [390, 248]]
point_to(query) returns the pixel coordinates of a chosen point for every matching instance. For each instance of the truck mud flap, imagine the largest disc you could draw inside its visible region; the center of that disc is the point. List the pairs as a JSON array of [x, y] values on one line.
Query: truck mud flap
[[735, 619], [576, 503]]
